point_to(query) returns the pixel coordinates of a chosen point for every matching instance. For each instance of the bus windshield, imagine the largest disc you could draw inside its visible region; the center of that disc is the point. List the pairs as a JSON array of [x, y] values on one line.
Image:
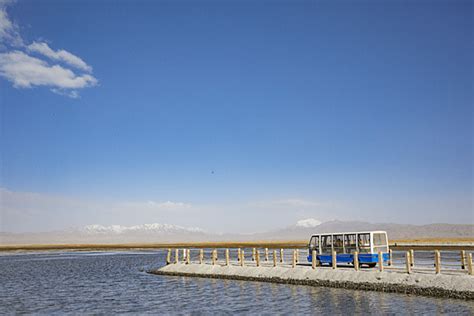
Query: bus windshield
[[314, 243], [380, 242]]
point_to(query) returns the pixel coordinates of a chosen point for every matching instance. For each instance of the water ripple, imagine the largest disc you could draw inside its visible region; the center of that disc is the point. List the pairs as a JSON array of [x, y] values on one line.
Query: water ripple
[[115, 282]]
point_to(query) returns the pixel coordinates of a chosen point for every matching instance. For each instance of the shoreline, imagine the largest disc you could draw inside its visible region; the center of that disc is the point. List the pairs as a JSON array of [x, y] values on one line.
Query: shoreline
[[395, 245], [447, 286]]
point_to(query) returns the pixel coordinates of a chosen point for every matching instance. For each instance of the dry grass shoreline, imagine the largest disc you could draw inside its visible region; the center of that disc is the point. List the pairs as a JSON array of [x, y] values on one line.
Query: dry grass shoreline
[[431, 243], [236, 244]]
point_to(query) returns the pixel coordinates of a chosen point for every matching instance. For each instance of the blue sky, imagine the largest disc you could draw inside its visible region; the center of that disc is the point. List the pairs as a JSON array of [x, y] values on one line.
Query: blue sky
[[241, 114]]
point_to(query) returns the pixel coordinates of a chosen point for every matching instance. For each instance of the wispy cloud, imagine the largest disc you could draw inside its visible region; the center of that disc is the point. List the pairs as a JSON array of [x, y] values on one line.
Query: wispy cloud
[[298, 203], [26, 67], [68, 93], [291, 203], [169, 205], [9, 31], [60, 55]]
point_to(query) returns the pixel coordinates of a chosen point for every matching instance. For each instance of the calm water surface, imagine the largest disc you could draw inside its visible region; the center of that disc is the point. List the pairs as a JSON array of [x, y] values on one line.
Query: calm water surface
[[108, 282]]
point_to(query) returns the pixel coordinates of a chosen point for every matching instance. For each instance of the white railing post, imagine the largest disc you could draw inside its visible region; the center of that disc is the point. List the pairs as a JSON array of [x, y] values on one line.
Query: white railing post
[[408, 262], [437, 262], [380, 261], [356, 260], [469, 264], [168, 257]]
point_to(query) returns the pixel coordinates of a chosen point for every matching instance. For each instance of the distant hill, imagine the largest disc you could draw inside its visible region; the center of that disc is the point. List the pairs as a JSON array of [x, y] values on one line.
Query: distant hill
[[159, 233], [394, 231]]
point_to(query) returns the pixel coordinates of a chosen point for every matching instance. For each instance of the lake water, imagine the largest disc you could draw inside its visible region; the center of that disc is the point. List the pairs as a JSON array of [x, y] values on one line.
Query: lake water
[[117, 282]]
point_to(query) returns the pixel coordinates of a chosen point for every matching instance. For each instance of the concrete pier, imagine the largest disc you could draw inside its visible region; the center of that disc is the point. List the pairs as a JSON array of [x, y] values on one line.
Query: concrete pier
[[454, 285]]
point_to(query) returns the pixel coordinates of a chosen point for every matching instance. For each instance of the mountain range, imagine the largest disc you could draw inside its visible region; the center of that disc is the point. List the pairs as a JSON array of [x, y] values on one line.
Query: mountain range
[[158, 233]]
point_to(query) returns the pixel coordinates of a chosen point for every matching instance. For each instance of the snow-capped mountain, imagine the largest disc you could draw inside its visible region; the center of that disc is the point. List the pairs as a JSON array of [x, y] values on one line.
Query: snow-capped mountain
[[146, 233], [309, 222]]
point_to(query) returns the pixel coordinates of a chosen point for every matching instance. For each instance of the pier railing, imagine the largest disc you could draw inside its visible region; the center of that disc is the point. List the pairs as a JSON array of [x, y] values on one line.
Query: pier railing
[[407, 262]]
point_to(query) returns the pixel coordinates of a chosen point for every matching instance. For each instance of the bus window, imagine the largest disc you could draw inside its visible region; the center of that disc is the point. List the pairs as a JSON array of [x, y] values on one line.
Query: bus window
[[326, 244], [338, 243], [314, 243], [364, 243], [380, 242], [350, 243]]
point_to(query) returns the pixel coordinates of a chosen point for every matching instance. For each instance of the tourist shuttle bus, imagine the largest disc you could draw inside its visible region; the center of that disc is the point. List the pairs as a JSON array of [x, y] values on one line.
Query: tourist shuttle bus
[[367, 244]]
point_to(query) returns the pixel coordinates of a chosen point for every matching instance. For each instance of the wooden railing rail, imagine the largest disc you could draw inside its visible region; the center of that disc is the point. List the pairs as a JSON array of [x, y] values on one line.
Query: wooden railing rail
[[464, 264]]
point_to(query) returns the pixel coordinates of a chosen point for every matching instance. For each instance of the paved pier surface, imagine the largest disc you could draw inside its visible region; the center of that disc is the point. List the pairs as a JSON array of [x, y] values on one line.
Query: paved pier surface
[[453, 285]]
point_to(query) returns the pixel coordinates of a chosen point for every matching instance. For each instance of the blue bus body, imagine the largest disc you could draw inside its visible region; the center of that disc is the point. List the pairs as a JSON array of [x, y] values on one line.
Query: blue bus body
[[364, 258]]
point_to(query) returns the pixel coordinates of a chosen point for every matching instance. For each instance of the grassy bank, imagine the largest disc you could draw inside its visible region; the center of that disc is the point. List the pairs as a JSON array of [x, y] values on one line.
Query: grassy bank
[[236, 244]]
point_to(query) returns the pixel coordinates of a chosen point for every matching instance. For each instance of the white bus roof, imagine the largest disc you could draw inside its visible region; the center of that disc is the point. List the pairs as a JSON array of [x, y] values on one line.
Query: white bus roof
[[351, 233]]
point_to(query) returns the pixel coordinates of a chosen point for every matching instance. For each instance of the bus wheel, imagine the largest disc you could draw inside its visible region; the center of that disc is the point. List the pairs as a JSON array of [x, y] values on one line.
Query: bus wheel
[[372, 264]]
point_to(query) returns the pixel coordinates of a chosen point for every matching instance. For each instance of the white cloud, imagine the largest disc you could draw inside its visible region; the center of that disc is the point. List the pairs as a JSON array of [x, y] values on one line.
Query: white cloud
[[60, 55], [27, 71], [168, 205], [8, 30]]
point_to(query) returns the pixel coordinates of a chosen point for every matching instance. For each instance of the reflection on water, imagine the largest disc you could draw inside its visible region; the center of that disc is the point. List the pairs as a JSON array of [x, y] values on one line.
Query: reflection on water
[[107, 282]]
